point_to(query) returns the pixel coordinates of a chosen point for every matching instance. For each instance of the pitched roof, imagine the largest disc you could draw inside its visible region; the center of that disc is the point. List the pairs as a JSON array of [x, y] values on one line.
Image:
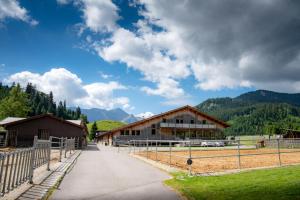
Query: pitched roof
[[10, 119], [187, 107], [78, 122], [14, 120]]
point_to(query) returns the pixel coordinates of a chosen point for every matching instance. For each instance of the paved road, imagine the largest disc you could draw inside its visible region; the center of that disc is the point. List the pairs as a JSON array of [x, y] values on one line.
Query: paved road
[[105, 174]]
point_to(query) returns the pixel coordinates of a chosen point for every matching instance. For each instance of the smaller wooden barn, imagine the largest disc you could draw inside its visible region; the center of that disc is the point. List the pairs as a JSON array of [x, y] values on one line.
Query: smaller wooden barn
[[21, 131], [290, 133]]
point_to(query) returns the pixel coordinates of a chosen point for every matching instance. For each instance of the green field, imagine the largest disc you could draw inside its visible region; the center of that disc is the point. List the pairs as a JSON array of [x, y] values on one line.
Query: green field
[[280, 183], [106, 125]]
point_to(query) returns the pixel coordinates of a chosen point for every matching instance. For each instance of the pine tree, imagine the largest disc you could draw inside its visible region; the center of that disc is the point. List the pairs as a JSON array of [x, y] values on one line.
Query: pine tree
[[84, 118], [93, 131], [78, 112], [60, 110]]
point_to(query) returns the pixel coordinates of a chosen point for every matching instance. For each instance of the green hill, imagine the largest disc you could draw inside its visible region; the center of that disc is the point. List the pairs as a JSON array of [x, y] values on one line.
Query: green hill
[[258, 112], [106, 125]]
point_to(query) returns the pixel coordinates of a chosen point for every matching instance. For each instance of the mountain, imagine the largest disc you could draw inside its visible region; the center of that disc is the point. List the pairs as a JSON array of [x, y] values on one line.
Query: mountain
[[270, 97], [257, 112], [95, 114]]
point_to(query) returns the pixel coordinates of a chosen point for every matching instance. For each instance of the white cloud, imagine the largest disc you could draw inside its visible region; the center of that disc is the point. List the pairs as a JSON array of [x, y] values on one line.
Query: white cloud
[[12, 9], [63, 2], [167, 88], [68, 86], [148, 57], [220, 44], [105, 76], [144, 115], [231, 43], [100, 15]]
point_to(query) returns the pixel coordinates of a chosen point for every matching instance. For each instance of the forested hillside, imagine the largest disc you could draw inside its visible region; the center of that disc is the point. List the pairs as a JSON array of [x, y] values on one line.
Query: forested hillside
[[24, 102], [259, 112]]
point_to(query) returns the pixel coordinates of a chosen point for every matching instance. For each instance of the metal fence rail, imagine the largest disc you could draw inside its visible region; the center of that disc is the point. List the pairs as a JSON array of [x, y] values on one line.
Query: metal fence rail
[[17, 167], [232, 149]]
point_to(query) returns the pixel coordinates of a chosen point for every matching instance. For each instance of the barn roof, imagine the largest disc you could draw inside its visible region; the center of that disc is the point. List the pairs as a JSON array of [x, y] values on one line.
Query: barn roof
[[187, 107], [10, 119], [15, 120], [78, 122]]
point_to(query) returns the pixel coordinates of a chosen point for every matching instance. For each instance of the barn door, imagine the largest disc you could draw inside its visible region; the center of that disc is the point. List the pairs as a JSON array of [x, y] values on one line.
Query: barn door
[[43, 134]]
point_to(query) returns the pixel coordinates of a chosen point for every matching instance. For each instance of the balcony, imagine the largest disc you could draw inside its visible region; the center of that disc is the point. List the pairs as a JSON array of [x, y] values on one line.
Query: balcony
[[186, 126]]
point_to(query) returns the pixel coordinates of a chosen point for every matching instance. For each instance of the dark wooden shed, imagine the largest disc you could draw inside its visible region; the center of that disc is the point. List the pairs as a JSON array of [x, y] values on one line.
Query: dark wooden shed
[[22, 131], [290, 133]]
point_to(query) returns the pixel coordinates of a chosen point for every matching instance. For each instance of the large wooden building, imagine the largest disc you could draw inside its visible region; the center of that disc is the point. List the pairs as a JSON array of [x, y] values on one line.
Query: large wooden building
[[182, 123], [21, 131]]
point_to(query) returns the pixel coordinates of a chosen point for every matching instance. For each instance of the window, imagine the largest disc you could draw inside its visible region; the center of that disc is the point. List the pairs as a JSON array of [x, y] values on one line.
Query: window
[[138, 132], [177, 121], [192, 121], [181, 121], [122, 132], [164, 120], [43, 134], [127, 132], [153, 125], [153, 132], [133, 132], [204, 121]]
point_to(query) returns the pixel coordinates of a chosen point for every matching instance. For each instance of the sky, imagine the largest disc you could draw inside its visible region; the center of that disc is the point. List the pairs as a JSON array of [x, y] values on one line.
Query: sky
[[149, 56]]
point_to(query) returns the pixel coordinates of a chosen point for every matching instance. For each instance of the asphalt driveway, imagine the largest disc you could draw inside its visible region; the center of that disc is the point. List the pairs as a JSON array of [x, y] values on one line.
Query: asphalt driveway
[[103, 173]]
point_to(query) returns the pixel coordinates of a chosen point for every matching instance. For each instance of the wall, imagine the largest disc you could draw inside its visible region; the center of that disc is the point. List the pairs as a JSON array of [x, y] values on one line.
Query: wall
[[27, 130], [166, 133]]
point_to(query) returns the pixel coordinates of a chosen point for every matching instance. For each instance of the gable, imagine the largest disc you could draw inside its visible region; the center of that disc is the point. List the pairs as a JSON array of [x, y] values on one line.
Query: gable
[[173, 113]]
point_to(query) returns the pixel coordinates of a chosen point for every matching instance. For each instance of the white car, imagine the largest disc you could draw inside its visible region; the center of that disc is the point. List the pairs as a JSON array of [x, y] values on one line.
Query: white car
[[220, 144], [212, 144]]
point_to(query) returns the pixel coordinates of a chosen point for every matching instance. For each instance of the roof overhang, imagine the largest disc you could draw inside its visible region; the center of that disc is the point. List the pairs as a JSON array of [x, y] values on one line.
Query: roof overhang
[[187, 107]]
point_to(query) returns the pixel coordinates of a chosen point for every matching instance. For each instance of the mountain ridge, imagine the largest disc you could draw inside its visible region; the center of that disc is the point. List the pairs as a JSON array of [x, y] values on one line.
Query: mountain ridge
[[256, 112], [116, 114]]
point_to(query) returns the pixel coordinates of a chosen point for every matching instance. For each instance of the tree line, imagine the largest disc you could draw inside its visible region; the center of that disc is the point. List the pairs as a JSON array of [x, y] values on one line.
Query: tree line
[[253, 118], [26, 102]]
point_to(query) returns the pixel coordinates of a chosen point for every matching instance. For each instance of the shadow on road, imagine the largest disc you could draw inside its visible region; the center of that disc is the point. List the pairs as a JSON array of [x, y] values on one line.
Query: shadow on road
[[92, 147]]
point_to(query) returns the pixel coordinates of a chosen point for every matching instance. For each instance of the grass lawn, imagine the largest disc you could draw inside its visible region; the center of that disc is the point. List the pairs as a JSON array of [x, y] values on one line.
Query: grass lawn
[[278, 183], [106, 125]]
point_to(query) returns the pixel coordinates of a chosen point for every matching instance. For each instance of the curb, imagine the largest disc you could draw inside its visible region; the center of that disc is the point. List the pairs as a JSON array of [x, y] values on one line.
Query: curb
[[49, 184]]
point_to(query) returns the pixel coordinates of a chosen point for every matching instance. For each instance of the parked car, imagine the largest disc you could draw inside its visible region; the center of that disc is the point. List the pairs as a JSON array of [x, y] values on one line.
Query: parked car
[[212, 144], [220, 144]]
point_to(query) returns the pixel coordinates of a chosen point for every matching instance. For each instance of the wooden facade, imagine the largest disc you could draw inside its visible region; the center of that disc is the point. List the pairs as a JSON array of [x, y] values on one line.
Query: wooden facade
[[22, 132], [179, 124]]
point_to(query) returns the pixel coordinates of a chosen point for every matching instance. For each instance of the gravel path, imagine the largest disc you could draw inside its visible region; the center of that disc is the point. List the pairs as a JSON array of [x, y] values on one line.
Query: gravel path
[[102, 173]]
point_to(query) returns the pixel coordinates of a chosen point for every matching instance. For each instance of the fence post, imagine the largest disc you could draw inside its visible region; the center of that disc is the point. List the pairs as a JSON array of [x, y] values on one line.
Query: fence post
[[32, 160], [7, 155], [70, 145], [60, 148], [49, 153], [190, 157], [147, 148], [65, 145], [11, 171], [129, 147], [156, 151], [278, 150], [239, 153], [170, 152], [133, 146]]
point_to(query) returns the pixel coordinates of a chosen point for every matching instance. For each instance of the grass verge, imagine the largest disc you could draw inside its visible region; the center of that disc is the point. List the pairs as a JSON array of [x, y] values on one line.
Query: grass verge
[[279, 183]]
